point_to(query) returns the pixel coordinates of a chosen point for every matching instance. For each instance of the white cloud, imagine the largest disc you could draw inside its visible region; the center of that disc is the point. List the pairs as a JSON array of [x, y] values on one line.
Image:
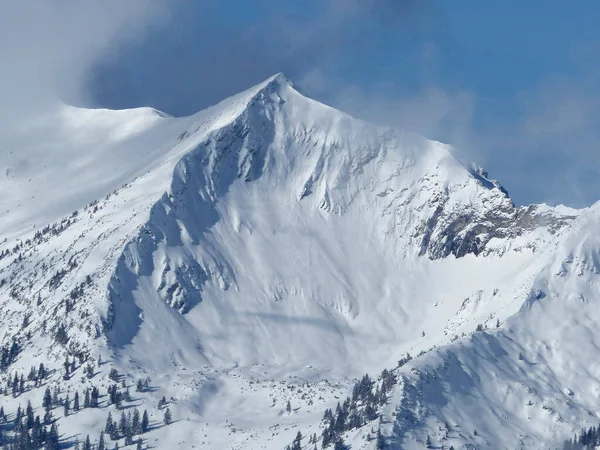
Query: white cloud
[[48, 46]]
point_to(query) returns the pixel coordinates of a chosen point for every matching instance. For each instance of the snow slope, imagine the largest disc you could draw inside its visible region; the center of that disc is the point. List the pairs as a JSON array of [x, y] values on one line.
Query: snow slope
[[272, 248]]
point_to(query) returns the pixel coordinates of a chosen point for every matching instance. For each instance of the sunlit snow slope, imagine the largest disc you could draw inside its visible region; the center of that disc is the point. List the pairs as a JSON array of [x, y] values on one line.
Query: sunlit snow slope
[[273, 236]]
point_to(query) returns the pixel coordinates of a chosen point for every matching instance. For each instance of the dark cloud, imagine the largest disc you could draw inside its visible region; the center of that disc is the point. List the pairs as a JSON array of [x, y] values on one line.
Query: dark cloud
[[205, 54]]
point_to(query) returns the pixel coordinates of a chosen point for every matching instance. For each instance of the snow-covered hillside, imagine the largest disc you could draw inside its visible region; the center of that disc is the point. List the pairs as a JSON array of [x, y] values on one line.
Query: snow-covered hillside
[[257, 258]]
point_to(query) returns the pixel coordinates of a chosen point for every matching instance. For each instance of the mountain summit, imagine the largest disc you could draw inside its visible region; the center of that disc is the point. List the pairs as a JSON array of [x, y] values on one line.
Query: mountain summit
[[273, 241]]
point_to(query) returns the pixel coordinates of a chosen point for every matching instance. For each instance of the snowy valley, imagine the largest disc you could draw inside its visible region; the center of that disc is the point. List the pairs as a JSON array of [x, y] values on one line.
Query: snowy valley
[[252, 262]]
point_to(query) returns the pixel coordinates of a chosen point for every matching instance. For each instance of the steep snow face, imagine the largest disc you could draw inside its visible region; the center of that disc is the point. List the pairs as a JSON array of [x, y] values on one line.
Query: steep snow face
[[271, 236], [298, 235]]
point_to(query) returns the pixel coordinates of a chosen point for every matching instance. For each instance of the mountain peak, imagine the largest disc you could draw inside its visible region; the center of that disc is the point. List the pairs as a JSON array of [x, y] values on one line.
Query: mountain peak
[[249, 253], [281, 79]]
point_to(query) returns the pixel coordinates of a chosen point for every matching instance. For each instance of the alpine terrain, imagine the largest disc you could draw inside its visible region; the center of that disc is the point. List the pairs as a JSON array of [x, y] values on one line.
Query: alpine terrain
[[226, 280]]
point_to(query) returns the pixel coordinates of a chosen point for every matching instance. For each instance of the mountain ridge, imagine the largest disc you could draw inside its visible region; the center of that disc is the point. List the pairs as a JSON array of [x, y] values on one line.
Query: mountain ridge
[[270, 237]]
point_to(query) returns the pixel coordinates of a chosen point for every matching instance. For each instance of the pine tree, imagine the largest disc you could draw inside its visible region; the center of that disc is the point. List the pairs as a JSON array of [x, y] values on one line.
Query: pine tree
[[67, 405], [18, 416], [67, 366], [168, 418], [86, 398], [47, 401], [139, 445], [145, 422], [52, 438], [114, 431], [76, 401], [123, 428], [136, 425], [29, 415], [94, 396], [428, 442], [41, 373], [15, 386], [101, 444], [55, 396], [114, 374], [288, 407], [87, 445], [109, 424], [297, 442]]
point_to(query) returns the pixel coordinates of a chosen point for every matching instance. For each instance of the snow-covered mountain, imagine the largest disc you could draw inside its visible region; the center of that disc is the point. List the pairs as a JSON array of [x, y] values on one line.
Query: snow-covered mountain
[[257, 258]]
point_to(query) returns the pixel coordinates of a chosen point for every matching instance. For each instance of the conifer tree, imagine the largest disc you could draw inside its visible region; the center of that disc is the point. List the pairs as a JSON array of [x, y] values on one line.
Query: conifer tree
[[109, 424], [86, 399], [29, 415], [52, 438], [168, 418], [67, 366], [101, 444], [41, 372], [123, 428], [297, 445], [15, 386], [94, 396], [145, 422], [47, 401], [18, 416], [87, 445], [76, 401], [55, 393], [136, 425], [67, 405]]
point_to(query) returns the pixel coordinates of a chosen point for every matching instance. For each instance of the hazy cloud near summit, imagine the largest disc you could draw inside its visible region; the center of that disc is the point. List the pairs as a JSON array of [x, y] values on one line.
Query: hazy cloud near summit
[[47, 47]]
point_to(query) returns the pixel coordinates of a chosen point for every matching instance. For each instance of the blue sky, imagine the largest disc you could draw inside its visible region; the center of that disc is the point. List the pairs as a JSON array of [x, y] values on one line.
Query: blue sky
[[515, 84]]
